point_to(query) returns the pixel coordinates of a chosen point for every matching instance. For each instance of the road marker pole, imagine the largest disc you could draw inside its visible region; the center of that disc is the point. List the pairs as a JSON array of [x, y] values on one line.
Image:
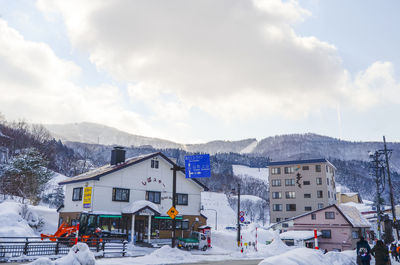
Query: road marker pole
[[77, 234]]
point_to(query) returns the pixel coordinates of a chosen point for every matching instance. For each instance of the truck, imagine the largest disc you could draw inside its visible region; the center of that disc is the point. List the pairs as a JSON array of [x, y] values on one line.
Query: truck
[[195, 240]]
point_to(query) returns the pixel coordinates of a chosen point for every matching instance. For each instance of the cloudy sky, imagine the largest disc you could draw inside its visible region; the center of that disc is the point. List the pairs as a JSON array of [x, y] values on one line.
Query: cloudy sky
[[194, 71]]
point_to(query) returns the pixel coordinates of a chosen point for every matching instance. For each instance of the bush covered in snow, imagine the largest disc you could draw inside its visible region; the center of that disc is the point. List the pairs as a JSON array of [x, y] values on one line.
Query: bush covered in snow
[[79, 254]]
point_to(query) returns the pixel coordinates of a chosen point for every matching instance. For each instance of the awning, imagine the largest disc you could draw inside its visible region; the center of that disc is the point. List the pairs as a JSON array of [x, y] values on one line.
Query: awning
[[141, 208]]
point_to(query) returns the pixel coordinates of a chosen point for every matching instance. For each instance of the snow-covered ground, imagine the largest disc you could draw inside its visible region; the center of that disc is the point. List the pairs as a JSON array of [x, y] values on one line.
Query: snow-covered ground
[[212, 202], [17, 221], [251, 172]]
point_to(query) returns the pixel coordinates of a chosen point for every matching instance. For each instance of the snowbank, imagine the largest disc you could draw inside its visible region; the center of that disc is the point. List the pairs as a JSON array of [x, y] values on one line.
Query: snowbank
[[306, 256], [79, 254], [17, 220], [12, 224]]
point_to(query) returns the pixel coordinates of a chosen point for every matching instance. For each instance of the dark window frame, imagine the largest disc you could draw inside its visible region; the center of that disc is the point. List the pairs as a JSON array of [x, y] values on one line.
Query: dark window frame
[[154, 163], [330, 215], [308, 195], [122, 190], [274, 183], [306, 182], [79, 194], [154, 192], [306, 168], [289, 207], [308, 208], [277, 209], [320, 194], [326, 233], [318, 168], [182, 195], [313, 216]]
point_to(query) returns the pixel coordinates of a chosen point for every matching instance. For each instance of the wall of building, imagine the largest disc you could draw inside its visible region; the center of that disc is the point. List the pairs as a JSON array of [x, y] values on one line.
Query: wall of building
[[139, 178], [327, 175]]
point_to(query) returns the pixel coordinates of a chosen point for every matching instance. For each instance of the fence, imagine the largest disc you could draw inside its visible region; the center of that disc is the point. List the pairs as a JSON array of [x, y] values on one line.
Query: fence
[[13, 247]]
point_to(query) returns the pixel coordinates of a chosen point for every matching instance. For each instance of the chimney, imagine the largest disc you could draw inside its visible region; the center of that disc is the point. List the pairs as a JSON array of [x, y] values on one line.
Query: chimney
[[117, 155]]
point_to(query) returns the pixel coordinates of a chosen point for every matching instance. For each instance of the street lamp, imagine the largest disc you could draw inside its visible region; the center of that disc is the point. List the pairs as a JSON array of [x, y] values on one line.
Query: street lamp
[[216, 215]]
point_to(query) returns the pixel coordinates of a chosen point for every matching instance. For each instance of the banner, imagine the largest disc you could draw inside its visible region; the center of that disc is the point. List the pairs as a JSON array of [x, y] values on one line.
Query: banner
[[87, 197]]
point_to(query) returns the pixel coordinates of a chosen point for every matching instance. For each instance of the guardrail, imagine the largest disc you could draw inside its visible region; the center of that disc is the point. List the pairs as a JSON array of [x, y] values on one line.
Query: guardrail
[[13, 247]]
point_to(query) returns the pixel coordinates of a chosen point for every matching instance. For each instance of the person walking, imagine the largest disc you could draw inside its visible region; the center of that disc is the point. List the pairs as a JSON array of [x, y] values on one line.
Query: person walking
[[393, 251], [381, 253], [363, 252]]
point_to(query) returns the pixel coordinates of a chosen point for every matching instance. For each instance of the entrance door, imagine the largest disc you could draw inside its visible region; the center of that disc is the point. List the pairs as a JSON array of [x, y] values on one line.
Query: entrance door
[[139, 229]]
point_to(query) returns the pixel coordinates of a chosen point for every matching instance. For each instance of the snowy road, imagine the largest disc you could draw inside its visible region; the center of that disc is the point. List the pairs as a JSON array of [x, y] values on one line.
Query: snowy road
[[230, 262]]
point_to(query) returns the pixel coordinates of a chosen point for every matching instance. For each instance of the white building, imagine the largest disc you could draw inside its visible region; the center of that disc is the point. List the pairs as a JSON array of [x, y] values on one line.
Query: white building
[[135, 192]]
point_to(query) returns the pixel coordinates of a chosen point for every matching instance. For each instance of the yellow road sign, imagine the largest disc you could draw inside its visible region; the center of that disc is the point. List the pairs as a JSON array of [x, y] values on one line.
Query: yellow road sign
[[172, 212]]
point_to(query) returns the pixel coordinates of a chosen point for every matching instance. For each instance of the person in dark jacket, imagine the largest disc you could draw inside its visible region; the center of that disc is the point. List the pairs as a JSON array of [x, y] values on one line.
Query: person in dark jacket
[[381, 253], [363, 252], [393, 251]]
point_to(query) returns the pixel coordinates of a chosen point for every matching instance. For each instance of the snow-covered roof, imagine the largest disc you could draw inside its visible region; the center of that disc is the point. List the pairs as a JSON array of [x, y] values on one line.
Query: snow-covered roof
[[354, 216], [136, 206], [107, 169], [298, 235], [350, 194]]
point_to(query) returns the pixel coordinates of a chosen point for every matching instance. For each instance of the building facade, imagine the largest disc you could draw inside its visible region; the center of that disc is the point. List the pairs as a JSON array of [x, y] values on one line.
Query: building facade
[[300, 186], [340, 226], [135, 193]]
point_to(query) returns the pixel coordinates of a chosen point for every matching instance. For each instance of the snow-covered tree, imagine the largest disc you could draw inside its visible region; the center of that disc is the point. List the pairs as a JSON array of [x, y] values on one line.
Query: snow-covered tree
[[26, 175]]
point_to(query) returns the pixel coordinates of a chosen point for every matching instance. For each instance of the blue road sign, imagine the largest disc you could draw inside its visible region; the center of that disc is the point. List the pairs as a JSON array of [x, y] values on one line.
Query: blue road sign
[[241, 219], [197, 166]]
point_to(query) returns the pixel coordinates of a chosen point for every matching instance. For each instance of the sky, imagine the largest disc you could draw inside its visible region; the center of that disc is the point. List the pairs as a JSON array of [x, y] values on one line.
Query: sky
[[196, 71]]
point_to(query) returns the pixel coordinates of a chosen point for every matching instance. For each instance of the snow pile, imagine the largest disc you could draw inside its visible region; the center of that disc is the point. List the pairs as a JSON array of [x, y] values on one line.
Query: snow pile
[[298, 235], [218, 202], [12, 223], [306, 256], [251, 172], [164, 255], [21, 220], [79, 254]]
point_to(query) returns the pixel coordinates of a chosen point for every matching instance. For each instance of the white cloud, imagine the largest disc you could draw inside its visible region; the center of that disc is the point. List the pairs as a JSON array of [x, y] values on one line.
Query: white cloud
[[36, 84]]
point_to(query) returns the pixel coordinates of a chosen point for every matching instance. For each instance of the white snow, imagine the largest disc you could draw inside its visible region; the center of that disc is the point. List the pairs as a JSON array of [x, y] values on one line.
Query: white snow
[[306, 256], [52, 184], [79, 254], [298, 235], [214, 201], [354, 216], [12, 223], [250, 148], [137, 205], [251, 172]]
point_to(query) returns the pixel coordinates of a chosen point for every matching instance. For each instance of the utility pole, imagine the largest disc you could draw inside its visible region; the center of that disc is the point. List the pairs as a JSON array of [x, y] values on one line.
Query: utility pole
[[238, 217], [376, 167], [174, 169], [386, 152]]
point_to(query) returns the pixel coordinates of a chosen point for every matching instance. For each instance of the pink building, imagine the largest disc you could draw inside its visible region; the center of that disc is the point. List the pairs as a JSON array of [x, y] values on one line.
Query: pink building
[[340, 226]]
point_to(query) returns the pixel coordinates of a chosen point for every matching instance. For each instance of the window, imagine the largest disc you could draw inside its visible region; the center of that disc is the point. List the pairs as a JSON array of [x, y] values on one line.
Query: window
[[306, 167], [317, 168], [120, 195], [285, 225], [354, 234], [277, 207], [326, 233], [329, 194], [181, 199], [320, 194], [326, 167], [185, 225], [327, 181], [289, 170], [319, 181], [154, 163], [276, 182], [320, 205], [290, 195], [307, 208], [307, 195], [77, 194], [329, 215], [275, 170], [153, 196], [278, 219], [290, 207], [306, 182], [289, 182], [313, 216], [277, 195]]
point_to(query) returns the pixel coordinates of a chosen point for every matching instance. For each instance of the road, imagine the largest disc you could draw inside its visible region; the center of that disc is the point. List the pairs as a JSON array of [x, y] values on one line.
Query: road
[[230, 262]]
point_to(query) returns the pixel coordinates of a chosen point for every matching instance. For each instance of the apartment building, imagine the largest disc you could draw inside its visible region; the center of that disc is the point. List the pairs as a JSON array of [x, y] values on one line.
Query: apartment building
[[300, 186]]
